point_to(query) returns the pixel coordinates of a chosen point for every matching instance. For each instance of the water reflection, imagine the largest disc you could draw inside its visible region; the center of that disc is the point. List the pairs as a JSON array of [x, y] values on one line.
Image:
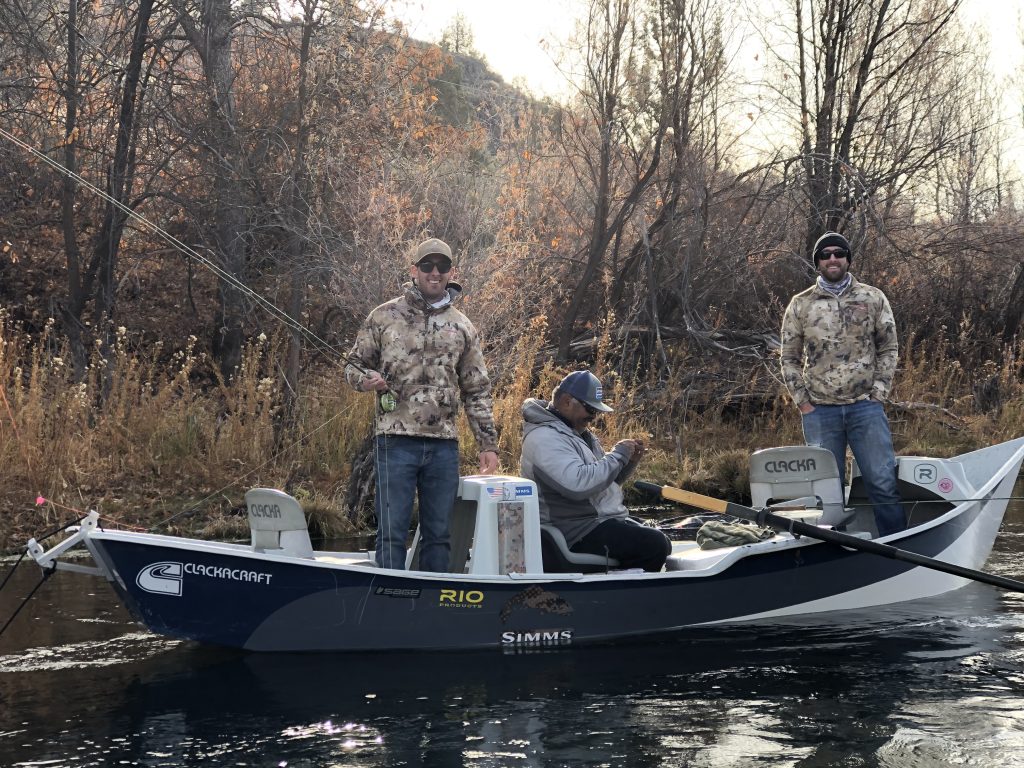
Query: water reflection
[[938, 682]]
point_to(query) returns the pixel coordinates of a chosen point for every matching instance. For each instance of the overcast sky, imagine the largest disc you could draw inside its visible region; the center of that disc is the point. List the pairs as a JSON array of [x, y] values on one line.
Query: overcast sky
[[521, 39]]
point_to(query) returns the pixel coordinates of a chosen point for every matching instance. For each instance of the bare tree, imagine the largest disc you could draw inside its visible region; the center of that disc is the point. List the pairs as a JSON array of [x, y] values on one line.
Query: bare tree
[[862, 81], [613, 144], [688, 61], [210, 30], [87, 122], [458, 37]]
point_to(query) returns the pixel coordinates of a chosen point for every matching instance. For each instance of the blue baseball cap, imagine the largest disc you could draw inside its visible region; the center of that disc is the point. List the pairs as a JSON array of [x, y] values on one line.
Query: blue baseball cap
[[586, 387]]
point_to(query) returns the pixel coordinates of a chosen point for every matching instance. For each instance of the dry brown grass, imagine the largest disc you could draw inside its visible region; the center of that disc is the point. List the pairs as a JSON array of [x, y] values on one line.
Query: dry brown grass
[[170, 449]]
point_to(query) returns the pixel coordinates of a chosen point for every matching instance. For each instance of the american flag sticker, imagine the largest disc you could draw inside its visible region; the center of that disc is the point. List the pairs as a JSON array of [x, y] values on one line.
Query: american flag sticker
[[495, 493]]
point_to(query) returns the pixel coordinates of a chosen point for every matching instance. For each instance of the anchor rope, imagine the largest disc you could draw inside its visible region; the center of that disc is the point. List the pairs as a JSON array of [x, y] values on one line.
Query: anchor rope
[[47, 573], [13, 569]]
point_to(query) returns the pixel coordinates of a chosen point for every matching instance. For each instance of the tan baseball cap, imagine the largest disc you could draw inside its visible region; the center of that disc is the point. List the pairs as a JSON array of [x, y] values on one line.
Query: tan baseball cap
[[432, 247]]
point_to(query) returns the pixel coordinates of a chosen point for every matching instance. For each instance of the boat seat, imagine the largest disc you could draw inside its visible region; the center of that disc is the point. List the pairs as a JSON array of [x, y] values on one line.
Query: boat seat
[[807, 473], [278, 523], [558, 558]]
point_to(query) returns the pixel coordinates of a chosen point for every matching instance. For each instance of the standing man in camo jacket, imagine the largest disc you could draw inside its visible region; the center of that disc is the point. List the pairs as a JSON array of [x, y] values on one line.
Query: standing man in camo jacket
[[423, 355], [839, 355]]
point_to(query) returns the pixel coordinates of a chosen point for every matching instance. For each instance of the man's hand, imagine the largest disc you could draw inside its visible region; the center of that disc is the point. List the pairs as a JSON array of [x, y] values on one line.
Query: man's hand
[[488, 462], [635, 448], [806, 408], [373, 381]]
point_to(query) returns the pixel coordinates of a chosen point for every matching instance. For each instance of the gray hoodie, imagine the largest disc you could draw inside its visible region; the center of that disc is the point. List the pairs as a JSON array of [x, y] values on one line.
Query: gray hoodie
[[578, 482]]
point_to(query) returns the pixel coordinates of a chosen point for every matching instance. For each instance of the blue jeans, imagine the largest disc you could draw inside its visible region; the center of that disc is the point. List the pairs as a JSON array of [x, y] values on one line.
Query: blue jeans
[[406, 465], [864, 427]]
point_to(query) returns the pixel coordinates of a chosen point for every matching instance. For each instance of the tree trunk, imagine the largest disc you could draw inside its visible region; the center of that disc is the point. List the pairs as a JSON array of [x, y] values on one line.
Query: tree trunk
[[119, 180], [297, 217], [72, 311], [1014, 311], [212, 39]]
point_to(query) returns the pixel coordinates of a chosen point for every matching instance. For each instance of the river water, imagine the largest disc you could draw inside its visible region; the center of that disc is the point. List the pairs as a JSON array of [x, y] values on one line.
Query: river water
[[933, 683]]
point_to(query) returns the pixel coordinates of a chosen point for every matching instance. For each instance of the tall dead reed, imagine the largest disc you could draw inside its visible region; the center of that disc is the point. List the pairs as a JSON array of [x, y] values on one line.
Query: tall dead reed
[[150, 436]]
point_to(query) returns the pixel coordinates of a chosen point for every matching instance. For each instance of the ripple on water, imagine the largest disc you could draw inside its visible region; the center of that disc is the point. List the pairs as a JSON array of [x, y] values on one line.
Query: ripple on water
[[129, 647]]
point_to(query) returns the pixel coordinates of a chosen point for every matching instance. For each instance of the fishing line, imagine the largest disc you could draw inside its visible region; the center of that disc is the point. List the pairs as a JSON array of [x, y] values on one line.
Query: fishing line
[[384, 491], [195, 507], [320, 345]]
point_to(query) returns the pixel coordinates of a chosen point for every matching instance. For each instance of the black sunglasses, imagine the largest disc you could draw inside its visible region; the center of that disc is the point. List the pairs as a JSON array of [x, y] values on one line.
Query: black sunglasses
[[826, 255], [586, 406], [429, 266]]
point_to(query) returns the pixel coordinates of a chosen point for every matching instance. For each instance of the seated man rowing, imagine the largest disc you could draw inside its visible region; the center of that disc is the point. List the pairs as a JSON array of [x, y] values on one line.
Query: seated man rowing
[[578, 483]]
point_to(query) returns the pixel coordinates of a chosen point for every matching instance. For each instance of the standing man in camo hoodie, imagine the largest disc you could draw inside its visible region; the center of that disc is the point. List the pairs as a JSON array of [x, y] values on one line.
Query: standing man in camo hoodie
[[839, 355], [421, 356]]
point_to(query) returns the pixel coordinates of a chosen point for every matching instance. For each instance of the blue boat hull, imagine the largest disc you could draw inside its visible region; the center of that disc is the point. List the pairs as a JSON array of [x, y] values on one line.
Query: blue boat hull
[[264, 598], [269, 605]]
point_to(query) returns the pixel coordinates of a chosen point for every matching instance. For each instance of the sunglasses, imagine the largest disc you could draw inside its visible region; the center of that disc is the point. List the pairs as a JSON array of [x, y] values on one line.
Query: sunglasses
[[429, 266], [587, 407], [826, 255]]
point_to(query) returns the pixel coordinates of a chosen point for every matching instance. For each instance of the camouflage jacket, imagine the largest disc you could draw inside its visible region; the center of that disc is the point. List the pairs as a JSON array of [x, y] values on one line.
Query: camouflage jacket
[[838, 350], [429, 356]]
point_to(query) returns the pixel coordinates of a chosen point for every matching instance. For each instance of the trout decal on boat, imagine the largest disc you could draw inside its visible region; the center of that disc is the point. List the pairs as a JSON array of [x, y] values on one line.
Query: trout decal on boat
[[539, 599]]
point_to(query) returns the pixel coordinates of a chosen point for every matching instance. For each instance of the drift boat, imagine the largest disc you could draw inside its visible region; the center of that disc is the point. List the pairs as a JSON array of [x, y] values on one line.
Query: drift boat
[[513, 582]]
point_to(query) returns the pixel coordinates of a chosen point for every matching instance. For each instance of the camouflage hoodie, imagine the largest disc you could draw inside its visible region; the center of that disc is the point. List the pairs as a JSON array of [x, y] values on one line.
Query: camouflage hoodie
[[838, 350], [429, 356]]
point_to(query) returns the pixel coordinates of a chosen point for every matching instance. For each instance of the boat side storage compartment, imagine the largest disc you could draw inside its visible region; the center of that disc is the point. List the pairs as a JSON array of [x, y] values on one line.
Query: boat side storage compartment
[[943, 477], [277, 522], [794, 473], [506, 532]]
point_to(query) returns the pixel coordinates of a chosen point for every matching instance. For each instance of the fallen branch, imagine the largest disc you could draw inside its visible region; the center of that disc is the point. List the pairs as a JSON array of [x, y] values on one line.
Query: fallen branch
[[954, 421]]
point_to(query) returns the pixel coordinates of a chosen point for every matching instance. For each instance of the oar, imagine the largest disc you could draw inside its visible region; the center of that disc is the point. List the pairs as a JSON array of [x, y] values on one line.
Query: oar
[[764, 517]]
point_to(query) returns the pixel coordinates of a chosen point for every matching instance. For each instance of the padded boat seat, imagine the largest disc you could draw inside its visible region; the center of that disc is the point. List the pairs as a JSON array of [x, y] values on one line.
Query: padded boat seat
[[278, 523], [804, 474], [558, 558]]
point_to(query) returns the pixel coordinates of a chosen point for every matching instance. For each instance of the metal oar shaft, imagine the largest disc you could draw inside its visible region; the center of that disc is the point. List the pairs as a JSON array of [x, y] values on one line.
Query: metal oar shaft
[[763, 517]]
